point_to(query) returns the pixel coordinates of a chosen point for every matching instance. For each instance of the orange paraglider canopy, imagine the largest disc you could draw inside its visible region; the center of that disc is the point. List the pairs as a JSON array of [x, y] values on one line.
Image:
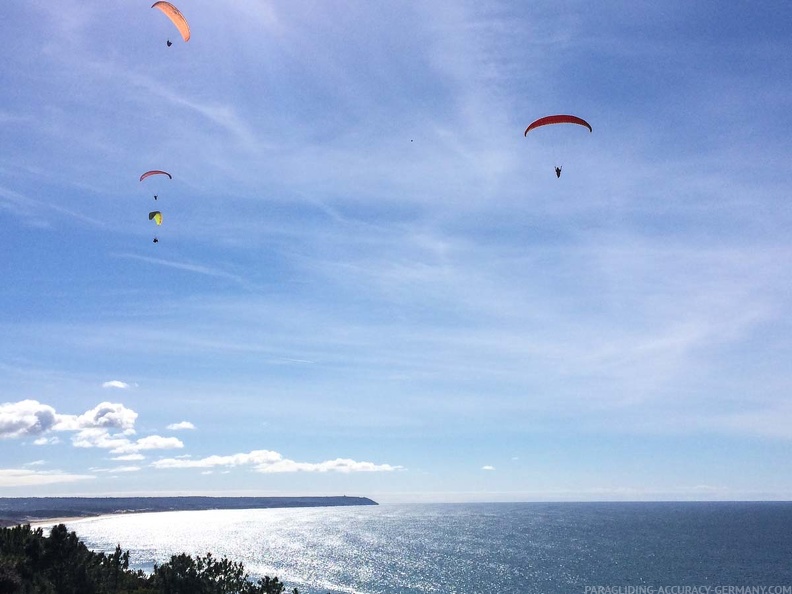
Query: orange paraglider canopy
[[176, 17]]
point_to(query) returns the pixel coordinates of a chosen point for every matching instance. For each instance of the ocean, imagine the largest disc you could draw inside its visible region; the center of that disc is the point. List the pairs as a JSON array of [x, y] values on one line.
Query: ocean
[[497, 548]]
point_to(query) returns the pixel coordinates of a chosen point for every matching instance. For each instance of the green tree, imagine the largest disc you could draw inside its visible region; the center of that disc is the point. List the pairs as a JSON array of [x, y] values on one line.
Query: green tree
[[31, 563]]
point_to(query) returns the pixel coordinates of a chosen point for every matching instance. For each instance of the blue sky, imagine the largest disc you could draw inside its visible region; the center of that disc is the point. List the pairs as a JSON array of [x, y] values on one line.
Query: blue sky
[[368, 281]]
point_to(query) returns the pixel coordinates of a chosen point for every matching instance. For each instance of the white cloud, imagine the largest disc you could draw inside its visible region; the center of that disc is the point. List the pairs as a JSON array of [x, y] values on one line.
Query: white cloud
[[14, 477], [46, 441], [117, 469], [130, 457], [181, 425], [116, 384], [152, 442], [26, 418], [337, 465], [126, 469], [106, 415], [487, 467], [120, 444], [93, 429], [268, 461], [256, 457], [99, 438]]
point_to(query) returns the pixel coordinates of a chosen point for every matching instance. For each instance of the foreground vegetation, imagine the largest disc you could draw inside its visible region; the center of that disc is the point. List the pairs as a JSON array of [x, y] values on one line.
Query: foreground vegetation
[[31, 563]]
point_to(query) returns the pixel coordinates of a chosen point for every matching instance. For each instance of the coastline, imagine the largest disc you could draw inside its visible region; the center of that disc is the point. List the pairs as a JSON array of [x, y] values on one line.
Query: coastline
[[50, 522], [50, 511]]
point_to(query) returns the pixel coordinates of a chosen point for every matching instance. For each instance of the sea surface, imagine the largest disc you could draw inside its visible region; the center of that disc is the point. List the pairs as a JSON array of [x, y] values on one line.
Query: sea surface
[[498, 548]]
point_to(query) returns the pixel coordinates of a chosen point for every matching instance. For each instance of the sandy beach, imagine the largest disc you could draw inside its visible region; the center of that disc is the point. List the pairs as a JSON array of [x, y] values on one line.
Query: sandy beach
[[47, 522]]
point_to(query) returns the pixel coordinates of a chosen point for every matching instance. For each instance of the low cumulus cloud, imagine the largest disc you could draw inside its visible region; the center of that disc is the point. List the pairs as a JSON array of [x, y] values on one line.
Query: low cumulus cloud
[[107, 415], [121, 444], [487, 467], [255, 458], [109, 425], [116, 384], [152, 442], [181, 426], [268, 461], [27, 418], [99, 438]]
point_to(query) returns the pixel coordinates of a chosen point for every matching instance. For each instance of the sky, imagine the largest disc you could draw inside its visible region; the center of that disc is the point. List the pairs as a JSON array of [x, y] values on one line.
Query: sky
[[368, 281]]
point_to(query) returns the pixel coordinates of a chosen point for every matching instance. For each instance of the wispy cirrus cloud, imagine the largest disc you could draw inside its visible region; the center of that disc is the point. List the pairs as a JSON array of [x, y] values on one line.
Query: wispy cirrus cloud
[[34, 209], [223, 116], [15, 477], [186, 266]]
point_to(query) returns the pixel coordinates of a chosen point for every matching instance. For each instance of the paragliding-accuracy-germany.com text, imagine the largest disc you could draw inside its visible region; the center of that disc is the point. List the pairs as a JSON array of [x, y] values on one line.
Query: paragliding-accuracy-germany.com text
[[687, 590]]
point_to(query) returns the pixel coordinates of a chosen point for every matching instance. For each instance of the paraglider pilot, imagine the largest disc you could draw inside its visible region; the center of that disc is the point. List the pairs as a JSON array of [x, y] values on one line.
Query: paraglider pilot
[[558, 172]]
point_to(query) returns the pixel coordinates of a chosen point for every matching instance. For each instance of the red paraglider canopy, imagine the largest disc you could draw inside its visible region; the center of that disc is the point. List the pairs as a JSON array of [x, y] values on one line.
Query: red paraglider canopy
[[155, 172], [557, 119]]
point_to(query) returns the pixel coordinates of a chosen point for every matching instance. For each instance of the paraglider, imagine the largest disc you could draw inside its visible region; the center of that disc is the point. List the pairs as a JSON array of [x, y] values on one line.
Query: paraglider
[[176, 17], [557, 119], [155, 172], [156, 216]]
